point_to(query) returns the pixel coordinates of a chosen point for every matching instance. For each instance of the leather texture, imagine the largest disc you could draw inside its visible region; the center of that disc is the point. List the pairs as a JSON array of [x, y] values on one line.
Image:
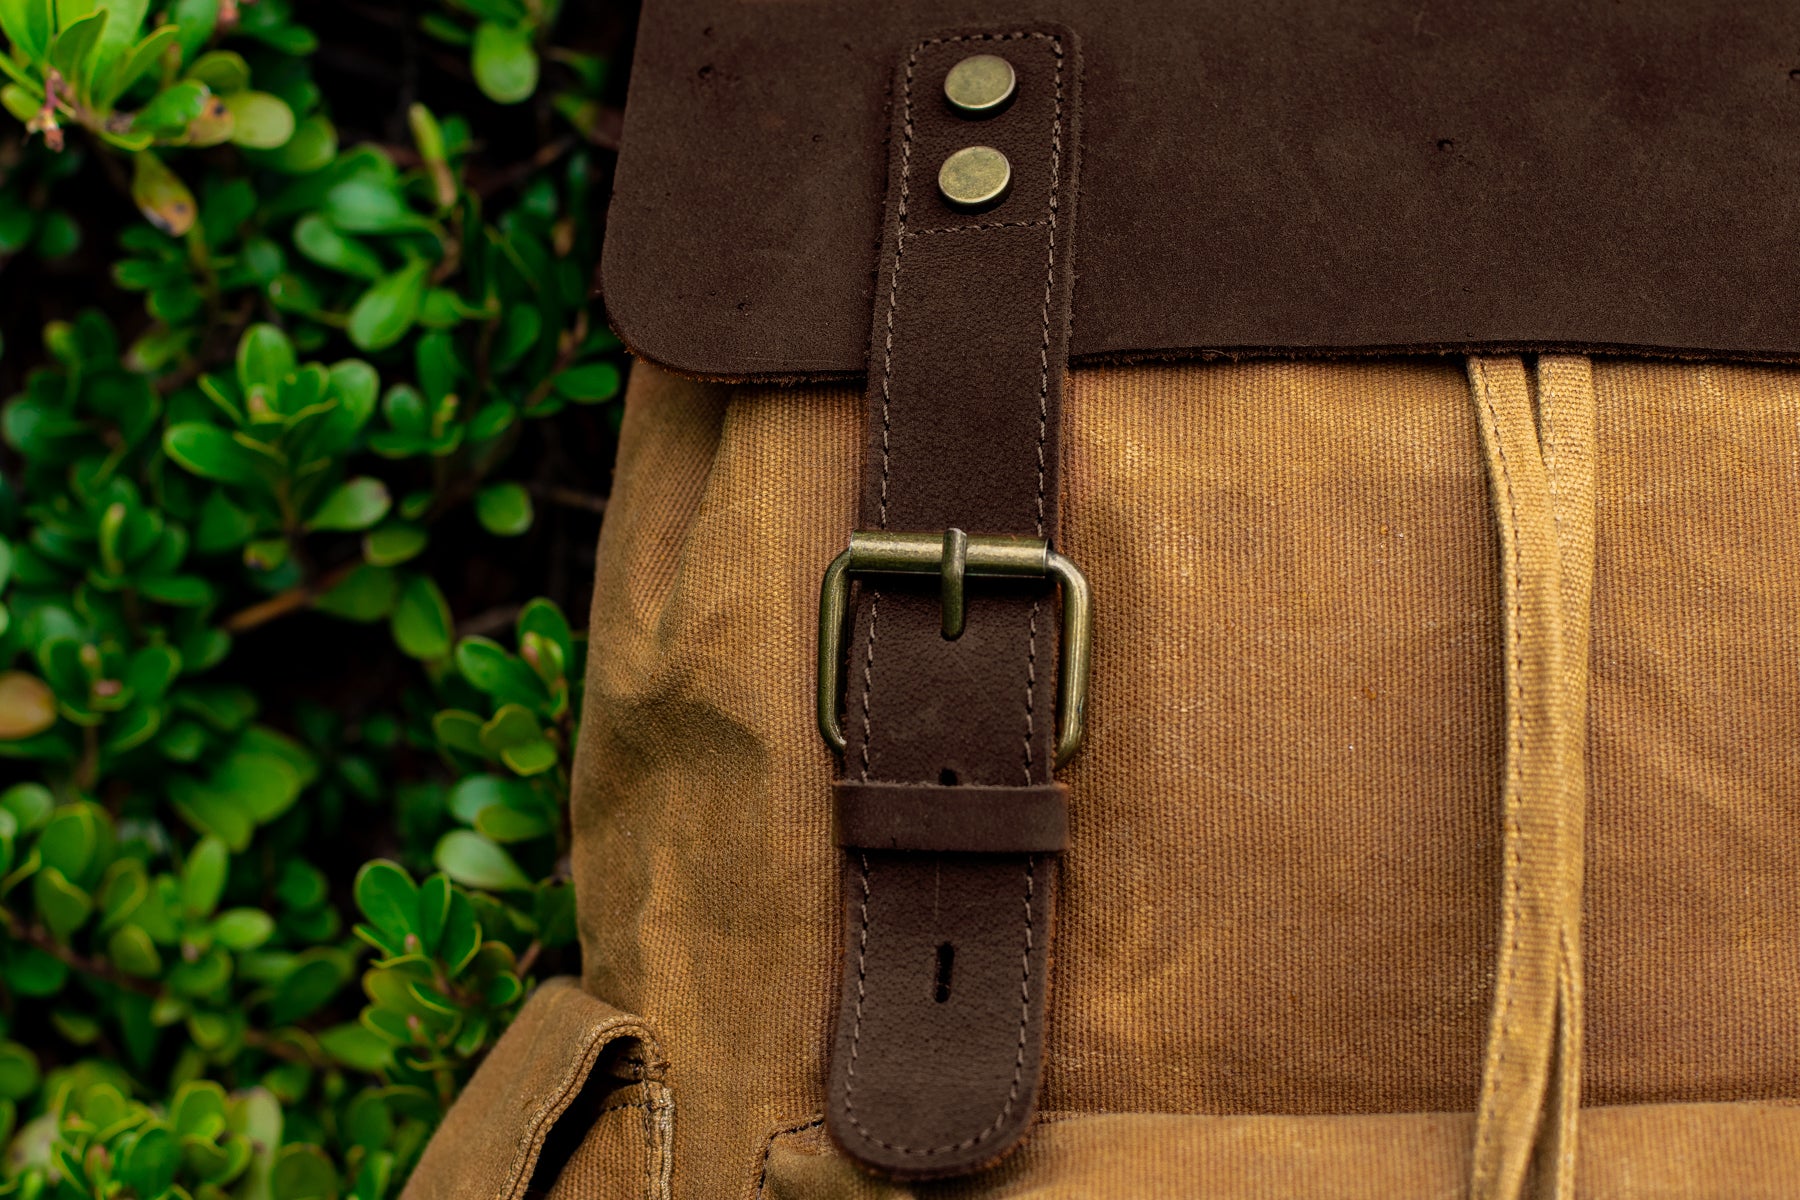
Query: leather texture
[[940, 1031], [1293, 177], [966, 820]]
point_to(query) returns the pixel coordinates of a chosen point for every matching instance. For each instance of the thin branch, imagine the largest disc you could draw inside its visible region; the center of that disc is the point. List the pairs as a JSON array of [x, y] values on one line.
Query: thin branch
[[271, 1045], [283, 603], [566, 497], [491, 621], [98, 968], [521, 171]]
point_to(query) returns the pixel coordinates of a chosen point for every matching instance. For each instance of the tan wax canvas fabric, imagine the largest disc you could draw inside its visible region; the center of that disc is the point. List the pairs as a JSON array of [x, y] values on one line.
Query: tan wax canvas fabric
[[1346, 698]]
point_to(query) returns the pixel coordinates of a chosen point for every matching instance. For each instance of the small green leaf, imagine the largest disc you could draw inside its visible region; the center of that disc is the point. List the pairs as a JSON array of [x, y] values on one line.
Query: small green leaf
[[357, 1047], [590, 383], [243, 929], [313, 146], [224, 71], [506, 64], [71, 51], [471, 795], [387, 310], [260, 121], [62, 905], [394, 543], [124, 889], [353, 505], [315, 979], [23, 105], [30, 803], [212, 453], [33, 972], [143, 56], [172, 110], [422, 624], [473, 861], [58, 235], [262, 782], [515, 825], [132, 951], [458, 730], [530, 758], [320, 241], [504, 676], [161, 196], [73, 840], [434, 910], [462, 935], [18, 1071], [368, 205], [368, 593], [504, 509], [203, 877], [265, 357], [28, 25], [148, 1162], [388, 898], [302, 1172], [512, 726]]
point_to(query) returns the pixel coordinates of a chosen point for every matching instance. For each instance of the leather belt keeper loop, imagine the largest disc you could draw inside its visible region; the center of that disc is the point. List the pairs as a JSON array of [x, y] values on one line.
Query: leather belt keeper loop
[[953, 820]]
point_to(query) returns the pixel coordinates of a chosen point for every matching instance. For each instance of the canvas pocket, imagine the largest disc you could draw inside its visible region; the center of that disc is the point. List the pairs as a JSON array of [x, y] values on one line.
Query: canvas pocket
[[570, 1104]]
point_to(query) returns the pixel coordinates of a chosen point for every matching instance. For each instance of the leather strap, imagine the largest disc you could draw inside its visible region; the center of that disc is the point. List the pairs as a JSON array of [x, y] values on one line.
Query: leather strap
[[935, 1065], [968, 820]]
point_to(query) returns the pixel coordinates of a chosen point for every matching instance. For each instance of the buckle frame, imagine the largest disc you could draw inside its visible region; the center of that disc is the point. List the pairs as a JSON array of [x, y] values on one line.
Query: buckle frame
[[955, 557]]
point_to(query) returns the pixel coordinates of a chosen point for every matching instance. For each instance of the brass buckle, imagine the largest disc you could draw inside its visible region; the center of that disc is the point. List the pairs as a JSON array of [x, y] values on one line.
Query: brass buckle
[[954, 557]]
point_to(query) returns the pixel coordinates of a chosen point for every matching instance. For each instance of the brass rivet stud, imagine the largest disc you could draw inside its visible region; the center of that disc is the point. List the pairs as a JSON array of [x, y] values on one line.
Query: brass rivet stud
[[974, 178], [980, 85]]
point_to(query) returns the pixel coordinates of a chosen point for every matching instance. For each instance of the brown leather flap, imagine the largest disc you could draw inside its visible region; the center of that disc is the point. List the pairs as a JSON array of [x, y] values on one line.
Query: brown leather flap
[[1299, 176]]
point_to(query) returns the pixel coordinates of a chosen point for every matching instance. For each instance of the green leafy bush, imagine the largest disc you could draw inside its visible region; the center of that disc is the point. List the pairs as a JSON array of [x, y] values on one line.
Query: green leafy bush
[[299, 401]]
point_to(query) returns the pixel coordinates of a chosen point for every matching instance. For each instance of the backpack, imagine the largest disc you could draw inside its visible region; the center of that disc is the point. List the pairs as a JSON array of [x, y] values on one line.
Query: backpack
[[1199, 600]]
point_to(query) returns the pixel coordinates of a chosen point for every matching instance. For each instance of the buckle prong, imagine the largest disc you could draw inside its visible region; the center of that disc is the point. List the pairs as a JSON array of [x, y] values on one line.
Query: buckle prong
[[955, 557], [954, 567]]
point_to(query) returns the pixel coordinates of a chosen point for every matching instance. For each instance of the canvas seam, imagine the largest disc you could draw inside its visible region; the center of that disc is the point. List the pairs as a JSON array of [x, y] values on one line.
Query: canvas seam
[[762, 1174], [553, 1107], [1515, 766]]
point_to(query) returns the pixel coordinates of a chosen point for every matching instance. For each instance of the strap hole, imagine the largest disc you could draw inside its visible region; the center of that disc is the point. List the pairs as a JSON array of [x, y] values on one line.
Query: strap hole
[[948, 777], [946, 961]]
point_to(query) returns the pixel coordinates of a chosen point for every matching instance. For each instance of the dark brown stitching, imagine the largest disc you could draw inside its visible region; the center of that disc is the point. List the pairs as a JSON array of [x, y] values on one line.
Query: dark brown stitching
[[1037, 224], [645, 1104], [762, 1176], [1044, 404], [1030, 693], [869, 682], [1012, 1094]]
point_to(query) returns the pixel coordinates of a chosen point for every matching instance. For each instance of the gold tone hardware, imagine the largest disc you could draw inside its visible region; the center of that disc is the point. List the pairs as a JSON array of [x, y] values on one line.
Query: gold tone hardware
[[980, 85], [955, 567], [954, 557], [975, 178]]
